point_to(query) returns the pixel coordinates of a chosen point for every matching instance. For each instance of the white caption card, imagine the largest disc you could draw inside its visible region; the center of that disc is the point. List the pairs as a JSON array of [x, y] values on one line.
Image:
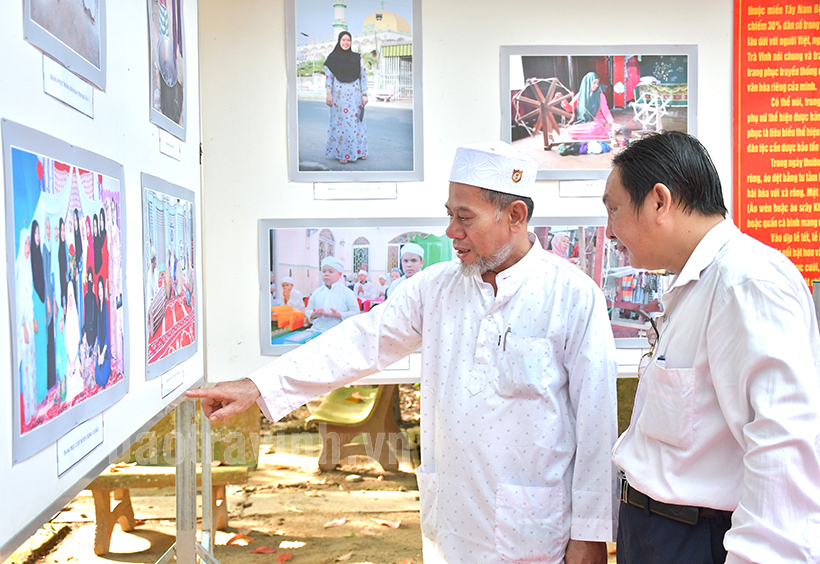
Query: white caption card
[[172, 380], [77, 443], [67, 87], [581, 188], [355, 191]]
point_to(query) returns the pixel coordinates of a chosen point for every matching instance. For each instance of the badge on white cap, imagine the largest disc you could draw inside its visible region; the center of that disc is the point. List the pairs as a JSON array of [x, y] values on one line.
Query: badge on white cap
[[495, 165]]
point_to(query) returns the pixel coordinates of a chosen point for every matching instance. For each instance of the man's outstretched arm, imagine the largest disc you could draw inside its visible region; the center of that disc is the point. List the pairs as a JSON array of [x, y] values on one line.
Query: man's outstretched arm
[[226, 398]]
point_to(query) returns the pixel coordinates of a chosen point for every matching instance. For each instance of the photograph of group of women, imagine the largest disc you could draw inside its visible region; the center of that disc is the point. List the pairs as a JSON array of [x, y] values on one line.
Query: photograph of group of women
[[354, 86], [168, 258], [67, 290], [315, 277], [574, 112]]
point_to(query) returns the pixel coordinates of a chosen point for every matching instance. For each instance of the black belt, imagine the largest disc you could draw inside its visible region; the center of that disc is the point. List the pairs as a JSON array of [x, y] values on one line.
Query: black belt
[[683, 513]]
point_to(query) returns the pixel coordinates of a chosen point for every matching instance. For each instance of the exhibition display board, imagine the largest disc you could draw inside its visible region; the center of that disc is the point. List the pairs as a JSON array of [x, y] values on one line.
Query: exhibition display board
[[128, 103], [75, 390], [777, 128]]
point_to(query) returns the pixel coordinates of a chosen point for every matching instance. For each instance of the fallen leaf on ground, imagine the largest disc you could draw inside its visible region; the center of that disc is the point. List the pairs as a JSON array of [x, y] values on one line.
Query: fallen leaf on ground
[[391, 524], [284, 557], [262, 550], [291, 508], [239, 539], [292, 544], [313, 493], [335, 522], [344, 557], [282, 467]]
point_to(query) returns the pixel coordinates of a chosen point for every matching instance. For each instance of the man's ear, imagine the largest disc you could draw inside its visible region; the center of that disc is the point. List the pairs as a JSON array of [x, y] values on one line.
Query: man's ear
[[518, 215], [661, 202]]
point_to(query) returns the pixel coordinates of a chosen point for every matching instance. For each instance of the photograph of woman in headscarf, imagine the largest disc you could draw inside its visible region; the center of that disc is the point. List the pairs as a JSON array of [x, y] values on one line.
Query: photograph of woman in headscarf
[[593, 120], [346, 86]]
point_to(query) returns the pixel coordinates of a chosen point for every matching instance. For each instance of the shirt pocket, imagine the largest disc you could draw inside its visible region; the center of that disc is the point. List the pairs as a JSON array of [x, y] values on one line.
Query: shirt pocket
[[531, 523], [523, 367], [428, 496], [668, 415]]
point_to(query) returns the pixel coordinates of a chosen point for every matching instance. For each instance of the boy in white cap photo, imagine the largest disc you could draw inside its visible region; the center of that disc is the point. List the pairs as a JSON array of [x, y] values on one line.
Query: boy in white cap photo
[[412, 261], [518, 380], [331, 302], [362, 288], [290, 295], [379, 288]]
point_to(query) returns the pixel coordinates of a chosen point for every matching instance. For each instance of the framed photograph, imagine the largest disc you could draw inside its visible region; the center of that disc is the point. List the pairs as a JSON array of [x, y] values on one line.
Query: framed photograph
[[168, 258], [65, 249], [167, 66], [372, 255], [73, 33], [571, 108], [354, 91]]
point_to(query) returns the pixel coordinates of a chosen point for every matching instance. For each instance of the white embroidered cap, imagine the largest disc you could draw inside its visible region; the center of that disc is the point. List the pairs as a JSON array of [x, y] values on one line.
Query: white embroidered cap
[[413, 248], [333, 262], [495, 165]]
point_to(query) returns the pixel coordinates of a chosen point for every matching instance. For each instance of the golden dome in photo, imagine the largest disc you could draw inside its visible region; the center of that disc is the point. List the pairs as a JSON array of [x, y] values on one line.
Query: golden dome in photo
[[385, 21]]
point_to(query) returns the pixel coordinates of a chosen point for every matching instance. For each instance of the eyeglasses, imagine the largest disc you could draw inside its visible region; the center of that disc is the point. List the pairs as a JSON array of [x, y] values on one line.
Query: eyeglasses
[[652, 336]]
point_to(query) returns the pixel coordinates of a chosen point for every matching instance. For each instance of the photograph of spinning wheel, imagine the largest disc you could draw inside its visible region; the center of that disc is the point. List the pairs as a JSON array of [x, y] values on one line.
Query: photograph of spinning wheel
[[573, 110]]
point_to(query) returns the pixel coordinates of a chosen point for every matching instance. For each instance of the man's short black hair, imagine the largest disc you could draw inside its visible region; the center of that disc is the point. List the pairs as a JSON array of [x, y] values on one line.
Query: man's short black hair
[[501, 200], [679, 162]]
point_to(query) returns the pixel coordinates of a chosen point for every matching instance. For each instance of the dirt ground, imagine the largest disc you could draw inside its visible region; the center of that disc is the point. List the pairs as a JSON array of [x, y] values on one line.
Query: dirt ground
[[358, 514]]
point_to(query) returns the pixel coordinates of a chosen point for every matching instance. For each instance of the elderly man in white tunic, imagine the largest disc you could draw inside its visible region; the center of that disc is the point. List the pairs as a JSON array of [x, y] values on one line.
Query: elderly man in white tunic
[[518, 380]]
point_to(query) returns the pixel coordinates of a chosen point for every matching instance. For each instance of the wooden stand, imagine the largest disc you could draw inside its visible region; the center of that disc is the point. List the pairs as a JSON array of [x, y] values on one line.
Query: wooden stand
[[120, 483]]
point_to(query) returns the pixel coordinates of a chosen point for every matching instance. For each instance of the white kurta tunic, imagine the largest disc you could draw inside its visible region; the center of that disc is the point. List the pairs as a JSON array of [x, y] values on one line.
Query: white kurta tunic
[[338, 297], [518, 404]]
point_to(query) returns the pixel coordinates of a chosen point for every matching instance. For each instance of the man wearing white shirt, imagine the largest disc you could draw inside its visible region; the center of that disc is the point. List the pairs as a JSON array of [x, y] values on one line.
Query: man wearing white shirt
[[332, 302], [722, 457], [518, 380]]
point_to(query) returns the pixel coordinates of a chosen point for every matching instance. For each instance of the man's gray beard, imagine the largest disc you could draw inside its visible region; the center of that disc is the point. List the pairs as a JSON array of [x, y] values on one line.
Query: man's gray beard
[[484, 264]]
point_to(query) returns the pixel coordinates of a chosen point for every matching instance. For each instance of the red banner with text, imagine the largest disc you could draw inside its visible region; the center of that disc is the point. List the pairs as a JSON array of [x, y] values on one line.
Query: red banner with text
[[777, 127]]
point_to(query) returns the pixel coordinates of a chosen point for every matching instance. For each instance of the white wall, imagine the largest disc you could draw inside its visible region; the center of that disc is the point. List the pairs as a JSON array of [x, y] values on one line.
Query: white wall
[[244, 123], [120, 131]]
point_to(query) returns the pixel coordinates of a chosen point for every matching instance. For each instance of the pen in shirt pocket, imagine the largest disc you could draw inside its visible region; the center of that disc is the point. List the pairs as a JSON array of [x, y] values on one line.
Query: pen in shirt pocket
[[661, 361]]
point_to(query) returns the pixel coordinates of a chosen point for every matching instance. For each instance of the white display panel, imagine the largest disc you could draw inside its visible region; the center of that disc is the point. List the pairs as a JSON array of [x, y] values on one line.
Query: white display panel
[[38, 486]]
